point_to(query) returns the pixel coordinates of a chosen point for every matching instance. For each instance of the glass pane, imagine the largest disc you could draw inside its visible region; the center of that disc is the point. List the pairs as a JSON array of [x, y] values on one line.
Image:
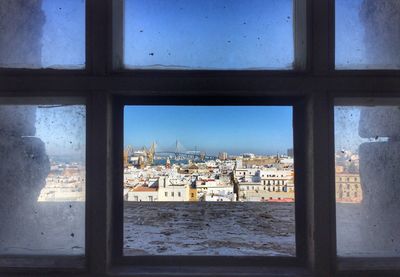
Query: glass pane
[[42, 168], [209, 34], [367, 180], [42, 34], [367, 34], [208, 181]]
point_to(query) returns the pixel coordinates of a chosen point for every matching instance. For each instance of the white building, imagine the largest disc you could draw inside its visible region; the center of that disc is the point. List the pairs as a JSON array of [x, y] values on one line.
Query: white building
[[140, 193], [173, 189], [214, 190], [247, 174]]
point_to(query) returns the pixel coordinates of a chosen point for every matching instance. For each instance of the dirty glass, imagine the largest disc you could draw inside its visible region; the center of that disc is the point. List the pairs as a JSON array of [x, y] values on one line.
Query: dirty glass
[[43, 177], [42, 34], [209, 34], [367, 149], [367, 34], [208, 181]]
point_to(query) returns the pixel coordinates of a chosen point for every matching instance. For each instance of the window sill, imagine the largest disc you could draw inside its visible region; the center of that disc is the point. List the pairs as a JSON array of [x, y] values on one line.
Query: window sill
[[209, 271]]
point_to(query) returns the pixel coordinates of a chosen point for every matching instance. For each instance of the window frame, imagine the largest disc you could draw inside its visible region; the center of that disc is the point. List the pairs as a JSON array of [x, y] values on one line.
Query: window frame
[[56, 263], [102, 82], [344, 266], [297, 104]]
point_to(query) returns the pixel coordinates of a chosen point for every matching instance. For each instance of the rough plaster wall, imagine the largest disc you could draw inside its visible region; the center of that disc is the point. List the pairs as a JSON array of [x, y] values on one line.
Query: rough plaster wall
[[381, 19], [21, 23]]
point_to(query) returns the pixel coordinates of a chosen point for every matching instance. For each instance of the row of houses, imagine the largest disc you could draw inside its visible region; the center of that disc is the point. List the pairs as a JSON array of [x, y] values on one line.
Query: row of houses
[[238, 184]]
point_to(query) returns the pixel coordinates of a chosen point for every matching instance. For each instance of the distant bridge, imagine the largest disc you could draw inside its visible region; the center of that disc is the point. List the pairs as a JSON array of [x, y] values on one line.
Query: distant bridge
[[181, 151], [187, 155]]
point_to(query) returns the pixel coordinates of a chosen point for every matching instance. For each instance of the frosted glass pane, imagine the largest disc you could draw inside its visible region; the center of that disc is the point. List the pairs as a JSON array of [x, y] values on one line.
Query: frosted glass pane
[[367, 34], [209, 34], [42, 34], [43, 177], [367, 181], [196, 183]]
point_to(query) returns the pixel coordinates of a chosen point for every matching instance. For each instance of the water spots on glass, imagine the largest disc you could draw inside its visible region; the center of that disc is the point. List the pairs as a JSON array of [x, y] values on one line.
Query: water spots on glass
[[42, 153], [367, 181], [36, 32], [367, 34], [208, 34]]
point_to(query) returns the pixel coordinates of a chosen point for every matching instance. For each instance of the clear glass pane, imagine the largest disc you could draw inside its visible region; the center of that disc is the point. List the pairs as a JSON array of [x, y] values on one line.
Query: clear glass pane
[[209, 34], [208, 181], [43, 177], [42, 34], [367, 180], [367, 34]]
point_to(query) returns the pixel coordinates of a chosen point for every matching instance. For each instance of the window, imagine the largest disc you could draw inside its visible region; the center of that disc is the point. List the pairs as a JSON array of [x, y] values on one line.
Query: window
[[104, 62], [366, 147], [367, 34], [45, 145], [160, 139], [208, 34], [35, 32]]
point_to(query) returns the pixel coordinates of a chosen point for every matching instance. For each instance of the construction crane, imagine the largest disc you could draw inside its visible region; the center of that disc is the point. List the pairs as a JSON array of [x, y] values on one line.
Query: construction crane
[[128, 151], [150, 153]]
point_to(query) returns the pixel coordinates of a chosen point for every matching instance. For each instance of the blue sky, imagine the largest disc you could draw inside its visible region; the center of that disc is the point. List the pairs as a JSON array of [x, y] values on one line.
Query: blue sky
[[346, 128], [224, 34], [208, 33], [234, 129], [347, 121], [350, 47], [63, 41], [63, 130], [199, 34]]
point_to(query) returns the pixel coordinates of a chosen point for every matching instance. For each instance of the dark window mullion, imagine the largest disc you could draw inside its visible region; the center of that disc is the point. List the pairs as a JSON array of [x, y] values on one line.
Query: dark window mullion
[[98, 26]]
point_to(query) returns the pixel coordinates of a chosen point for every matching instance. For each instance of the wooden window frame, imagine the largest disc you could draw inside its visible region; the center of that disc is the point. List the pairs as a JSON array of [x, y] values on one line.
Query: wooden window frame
[[103, 84]]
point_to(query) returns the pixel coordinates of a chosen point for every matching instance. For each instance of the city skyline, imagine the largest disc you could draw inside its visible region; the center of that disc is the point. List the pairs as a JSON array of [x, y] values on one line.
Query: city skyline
[[264, 130]]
